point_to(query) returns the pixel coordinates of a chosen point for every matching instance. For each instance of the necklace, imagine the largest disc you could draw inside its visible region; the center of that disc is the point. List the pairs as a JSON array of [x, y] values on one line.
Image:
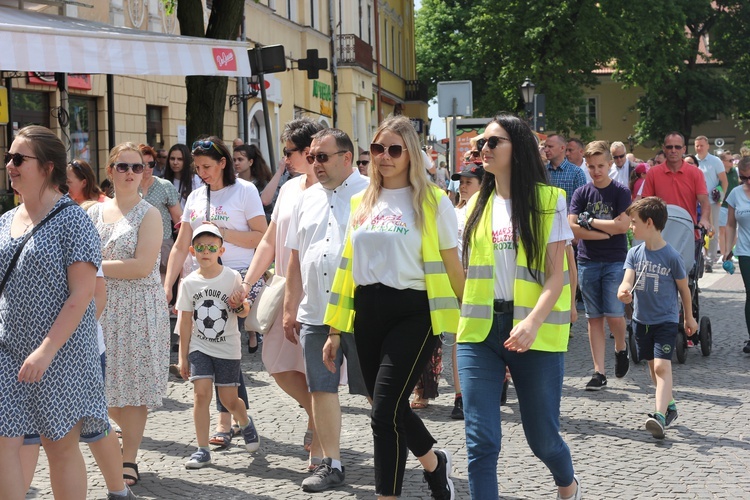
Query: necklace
[[34, 222]]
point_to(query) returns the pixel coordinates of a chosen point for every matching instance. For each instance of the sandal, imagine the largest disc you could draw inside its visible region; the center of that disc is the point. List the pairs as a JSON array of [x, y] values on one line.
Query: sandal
[[419, 405], [130, 477], [307, 441], [236, 430], [221, 439]]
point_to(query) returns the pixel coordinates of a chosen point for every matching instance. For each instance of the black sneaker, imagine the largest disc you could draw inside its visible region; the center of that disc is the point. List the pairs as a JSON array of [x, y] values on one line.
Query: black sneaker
[[655, 425], [746, 349], [439, 480], [671, 415], [622, 363], [597, 382], [458, 409], [324, 477]]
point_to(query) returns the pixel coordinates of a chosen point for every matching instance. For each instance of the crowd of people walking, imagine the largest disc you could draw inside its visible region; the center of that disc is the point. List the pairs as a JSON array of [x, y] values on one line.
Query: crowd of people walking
[[480, 269]]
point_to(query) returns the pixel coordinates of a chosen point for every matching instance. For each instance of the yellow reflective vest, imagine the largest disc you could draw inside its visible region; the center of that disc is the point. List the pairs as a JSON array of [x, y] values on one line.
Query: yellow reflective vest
[[479, 293], [444, 310]]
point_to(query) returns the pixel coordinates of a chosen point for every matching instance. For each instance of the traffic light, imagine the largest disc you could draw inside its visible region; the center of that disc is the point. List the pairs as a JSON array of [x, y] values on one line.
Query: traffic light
[[312, 64]]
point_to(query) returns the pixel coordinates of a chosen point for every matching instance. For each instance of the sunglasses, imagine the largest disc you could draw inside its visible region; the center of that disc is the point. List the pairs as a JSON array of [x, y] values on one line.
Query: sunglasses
[[161, 157], [322, 157], [76, 165], [203, 248], [288, 152], [363, 163], [491, 142], [205, 146], [474, 153], [394, 150], [17, 158], [123, 167], [151, 164], [744, 179], [618, 157], [670, 147]]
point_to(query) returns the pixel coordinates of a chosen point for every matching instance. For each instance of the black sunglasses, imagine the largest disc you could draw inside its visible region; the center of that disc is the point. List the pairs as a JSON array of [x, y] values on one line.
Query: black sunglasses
[[491, 142], [205, 146], [288, 152], [618, 157], [674, 147], [744, 179], [394, 150], [322, 157], [123, 167], [17, 158], [474, 153], [151, 164], [363, 163]]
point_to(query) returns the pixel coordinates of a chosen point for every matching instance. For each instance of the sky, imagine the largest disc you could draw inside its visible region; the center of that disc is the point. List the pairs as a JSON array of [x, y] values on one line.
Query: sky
[[437, 127]]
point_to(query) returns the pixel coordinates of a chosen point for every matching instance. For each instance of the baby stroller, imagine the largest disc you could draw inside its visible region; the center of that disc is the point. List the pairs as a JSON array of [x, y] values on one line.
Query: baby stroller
[[680, 233]]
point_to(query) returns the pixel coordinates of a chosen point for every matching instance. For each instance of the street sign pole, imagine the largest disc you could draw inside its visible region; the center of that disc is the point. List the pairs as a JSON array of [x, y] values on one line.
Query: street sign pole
[[452, 167]]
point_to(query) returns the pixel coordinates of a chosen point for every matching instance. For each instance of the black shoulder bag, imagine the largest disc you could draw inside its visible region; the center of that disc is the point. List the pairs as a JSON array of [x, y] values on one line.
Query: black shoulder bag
[[26, 238]]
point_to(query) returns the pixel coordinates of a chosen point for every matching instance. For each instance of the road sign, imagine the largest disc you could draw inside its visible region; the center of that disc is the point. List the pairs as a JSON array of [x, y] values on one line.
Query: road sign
[[434, 155], [460, 91]]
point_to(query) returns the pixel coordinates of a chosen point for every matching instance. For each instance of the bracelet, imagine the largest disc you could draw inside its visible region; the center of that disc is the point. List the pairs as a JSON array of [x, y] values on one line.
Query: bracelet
[[246, 283]]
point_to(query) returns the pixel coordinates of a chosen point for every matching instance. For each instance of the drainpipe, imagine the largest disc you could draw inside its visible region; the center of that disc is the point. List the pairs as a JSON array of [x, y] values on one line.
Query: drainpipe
[[377, 53], [334, 69]]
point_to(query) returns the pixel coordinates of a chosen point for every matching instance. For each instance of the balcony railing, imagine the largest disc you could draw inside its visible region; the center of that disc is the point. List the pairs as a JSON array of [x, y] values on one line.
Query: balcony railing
[[416, 91], [353, 51]]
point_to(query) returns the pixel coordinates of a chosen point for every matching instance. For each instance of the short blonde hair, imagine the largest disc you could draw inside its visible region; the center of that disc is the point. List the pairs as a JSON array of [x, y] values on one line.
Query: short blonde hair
[[598, 148]]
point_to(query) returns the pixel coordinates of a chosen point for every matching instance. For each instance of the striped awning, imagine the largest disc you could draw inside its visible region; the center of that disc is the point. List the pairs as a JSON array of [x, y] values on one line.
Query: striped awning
[[30, 41]]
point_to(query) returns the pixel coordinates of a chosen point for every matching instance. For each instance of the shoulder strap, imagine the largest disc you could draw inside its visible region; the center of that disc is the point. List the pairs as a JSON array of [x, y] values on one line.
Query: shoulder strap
[[207, 217], [26, 238]]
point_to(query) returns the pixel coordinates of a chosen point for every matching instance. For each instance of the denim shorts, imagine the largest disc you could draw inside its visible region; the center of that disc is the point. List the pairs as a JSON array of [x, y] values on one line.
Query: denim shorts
[[656, 341], [723, 216], [224, 372], [319, 379], [599, 282]]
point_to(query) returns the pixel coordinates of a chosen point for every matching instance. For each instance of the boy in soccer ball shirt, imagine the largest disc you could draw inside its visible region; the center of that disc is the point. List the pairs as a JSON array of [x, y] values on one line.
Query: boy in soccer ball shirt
[[655, 272], [210, 349]]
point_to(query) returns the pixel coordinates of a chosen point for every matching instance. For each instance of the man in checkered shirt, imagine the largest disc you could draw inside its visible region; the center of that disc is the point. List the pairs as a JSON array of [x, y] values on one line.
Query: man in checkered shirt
[[560, 171]]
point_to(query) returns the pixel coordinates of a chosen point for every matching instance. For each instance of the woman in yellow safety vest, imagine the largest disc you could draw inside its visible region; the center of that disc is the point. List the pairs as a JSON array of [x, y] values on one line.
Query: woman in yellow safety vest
[[516, 306], [397, 289]]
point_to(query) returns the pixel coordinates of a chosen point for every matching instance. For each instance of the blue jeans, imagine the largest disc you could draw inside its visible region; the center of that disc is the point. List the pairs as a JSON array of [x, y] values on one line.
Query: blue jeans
[[537, 377], [599, 282]]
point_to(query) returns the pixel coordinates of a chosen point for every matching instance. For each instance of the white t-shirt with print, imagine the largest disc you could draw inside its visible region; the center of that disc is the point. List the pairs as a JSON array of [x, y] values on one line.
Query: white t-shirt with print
[[231, 207], [177, 183], [387, 247], [502, 241], [215, 330]]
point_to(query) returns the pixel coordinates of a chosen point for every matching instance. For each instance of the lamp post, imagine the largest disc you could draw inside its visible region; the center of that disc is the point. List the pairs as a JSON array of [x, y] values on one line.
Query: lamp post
[[527, 92]]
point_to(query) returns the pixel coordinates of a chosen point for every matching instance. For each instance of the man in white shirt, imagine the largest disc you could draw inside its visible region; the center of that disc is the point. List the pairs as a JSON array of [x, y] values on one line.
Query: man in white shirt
[[715, 175], [574, 154], [316, 238], [621, 166]]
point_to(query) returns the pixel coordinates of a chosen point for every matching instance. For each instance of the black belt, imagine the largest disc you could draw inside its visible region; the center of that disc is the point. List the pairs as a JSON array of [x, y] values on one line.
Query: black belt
[[503, 306]]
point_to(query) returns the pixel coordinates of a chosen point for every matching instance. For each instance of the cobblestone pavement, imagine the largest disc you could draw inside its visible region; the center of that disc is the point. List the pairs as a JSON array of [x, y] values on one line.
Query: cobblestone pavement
[[706, 453]]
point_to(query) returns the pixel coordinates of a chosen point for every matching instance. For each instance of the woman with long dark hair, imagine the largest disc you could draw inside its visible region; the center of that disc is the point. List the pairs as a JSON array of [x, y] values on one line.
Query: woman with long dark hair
[[250, 166], [181, 172], [516, 306], [81, 182], [399, 256]]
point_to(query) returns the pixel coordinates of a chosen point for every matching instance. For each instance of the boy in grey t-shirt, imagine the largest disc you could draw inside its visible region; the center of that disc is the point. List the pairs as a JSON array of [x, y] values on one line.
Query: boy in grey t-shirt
[[654, 271]]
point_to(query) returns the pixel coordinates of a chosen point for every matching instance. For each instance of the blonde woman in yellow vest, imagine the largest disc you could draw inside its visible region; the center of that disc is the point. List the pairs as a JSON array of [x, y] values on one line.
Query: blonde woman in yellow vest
[[516, 306], [397, 289]]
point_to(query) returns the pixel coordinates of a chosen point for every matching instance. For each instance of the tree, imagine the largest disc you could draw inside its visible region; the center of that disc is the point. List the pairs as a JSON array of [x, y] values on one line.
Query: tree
[[206, 95], [497, 45]]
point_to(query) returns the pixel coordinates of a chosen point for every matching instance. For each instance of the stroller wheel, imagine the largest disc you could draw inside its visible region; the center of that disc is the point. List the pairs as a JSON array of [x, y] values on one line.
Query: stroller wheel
[[681, 346], [633, 345], [705, 335]]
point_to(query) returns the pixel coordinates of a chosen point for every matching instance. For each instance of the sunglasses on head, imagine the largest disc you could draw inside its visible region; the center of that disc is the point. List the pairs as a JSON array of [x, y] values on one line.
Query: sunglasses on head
[[670, 147], [288, 152], [322, 157], [205, 146], [17, 158], [123, 167], [491, 142], [744, 179], [76, 165], [394, 150], [202, 248], [618, 157]]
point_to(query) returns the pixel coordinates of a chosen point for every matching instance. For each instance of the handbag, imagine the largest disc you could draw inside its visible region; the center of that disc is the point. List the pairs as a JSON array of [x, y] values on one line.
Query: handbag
[[26, 238], [267, 305]]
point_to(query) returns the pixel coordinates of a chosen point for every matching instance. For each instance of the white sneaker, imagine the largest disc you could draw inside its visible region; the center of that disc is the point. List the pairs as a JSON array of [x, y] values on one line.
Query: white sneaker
[[576, 495], [199, 459]]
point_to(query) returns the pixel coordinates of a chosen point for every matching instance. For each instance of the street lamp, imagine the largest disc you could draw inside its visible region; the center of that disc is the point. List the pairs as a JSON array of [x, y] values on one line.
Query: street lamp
[[527, 92]]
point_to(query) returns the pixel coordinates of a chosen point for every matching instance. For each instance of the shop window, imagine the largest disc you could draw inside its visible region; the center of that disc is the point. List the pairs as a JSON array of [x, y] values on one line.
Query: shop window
[[154, 127], [29, 108], [83, 130]]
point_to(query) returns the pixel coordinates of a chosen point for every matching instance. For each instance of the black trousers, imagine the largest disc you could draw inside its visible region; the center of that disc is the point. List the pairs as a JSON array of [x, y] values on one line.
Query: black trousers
[[394, 337]]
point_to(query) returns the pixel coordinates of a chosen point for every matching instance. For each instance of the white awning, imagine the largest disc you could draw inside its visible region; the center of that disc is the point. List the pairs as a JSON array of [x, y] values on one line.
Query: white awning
[[31, 41]]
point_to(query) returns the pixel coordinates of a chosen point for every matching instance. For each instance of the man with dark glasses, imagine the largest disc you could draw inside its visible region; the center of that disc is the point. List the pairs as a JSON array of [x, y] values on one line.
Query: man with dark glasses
[[621, 166], [363, 162], [161, 162]]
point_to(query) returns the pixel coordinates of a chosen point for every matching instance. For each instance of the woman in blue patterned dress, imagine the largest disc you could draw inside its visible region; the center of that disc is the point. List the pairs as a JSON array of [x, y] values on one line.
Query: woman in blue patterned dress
[[135, 320], [50, 372]]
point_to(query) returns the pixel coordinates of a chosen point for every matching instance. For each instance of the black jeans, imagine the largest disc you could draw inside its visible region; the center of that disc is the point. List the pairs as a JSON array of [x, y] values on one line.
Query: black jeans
[[394, 337]]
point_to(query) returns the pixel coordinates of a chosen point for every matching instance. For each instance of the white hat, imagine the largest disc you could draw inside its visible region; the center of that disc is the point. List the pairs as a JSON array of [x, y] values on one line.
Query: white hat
[[207, 229]]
